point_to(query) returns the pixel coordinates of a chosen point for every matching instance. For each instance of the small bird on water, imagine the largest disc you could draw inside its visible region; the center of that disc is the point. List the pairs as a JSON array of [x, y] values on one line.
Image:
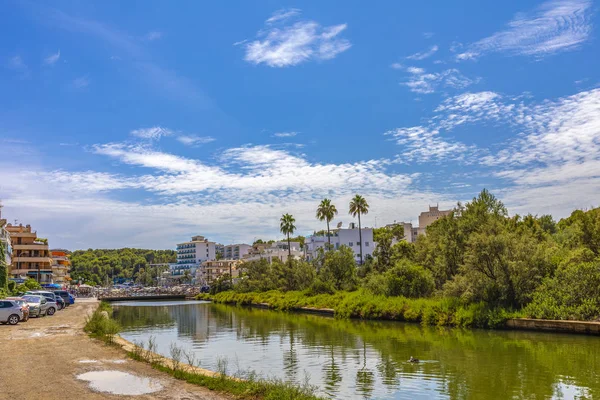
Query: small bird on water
[[413, 360]]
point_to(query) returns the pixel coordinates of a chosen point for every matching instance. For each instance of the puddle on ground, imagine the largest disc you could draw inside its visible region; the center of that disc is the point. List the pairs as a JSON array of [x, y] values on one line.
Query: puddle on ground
[[88, 361], [118, 361], [118, 382]]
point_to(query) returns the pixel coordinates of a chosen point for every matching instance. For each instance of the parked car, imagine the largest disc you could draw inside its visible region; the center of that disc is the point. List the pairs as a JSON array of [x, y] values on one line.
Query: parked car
[[64, 295], [24, 306], [39, 305], [71, 299], [60, 303], [10, 312]]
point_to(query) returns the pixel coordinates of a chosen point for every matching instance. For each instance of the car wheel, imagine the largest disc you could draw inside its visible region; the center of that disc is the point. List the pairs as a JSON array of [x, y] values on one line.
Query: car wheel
[[51, 311], [13, 319]]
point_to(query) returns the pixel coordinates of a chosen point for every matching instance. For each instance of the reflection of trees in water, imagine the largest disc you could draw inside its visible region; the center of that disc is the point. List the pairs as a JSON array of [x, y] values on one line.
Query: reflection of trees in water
[[331, 372], [469, 364], [365, 379]]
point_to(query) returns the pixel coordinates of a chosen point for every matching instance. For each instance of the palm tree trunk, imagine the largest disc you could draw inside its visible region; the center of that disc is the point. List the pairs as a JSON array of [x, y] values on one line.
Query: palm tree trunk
[[328, 237], [289, 248], [360, 239]]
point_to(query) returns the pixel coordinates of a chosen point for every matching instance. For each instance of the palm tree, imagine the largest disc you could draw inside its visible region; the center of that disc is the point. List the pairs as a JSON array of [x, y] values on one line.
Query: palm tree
[[287, 227], [358, 206], [325, 212]]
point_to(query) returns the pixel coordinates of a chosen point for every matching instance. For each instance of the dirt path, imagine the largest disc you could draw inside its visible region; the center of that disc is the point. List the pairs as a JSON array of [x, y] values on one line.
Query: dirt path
[[41, 358]]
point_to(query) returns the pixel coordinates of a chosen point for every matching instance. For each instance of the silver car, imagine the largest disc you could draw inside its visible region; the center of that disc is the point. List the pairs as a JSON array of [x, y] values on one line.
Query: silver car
[[39, 305], [10, 312]]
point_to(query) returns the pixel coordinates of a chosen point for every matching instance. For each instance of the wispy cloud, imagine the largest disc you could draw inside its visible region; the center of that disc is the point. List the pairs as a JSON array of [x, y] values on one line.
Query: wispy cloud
[[153, 35], [285, 134], [81, 83], [422, 82], [52, 59], [16, 62], [153, 133], [423, 55], [555, 26], [283, 14], [293, 44], [194, 140]]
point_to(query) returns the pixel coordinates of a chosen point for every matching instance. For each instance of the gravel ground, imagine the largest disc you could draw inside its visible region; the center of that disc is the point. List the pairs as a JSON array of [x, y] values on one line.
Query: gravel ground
[[41, 358]]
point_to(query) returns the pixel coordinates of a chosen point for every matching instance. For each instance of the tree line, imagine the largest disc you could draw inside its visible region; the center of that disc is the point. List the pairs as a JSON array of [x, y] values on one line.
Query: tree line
[[478, 254], [96, 267]]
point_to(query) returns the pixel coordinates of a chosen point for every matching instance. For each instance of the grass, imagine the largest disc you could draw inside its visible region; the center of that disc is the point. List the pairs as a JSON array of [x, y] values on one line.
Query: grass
[[100, 325], [364, 305]]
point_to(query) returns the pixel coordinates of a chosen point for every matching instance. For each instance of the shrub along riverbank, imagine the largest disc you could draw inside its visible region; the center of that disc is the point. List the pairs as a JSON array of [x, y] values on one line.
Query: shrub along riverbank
[[364, 305]]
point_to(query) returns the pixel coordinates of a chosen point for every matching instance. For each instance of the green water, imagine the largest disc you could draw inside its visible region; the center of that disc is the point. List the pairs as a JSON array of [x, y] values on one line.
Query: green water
[[367, 359]]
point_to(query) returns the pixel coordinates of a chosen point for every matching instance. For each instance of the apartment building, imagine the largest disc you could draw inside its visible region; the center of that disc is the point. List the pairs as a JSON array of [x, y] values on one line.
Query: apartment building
[[193, 253], [342, 237], [31, 257], [275, 250], [210, 271], [426, 218], [234, 251], [61, 265]]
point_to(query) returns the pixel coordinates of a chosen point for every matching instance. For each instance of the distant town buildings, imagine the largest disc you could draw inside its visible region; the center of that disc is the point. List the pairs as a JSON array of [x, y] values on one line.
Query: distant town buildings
[[234, 251], [426, 218], [31, 257], [61, 266], [191, 254], [210, 271], [275, 250], [342, 237]]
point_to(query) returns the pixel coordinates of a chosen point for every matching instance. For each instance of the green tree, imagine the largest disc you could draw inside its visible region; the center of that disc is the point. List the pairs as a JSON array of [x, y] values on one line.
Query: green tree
[[3, 268], [326, 212], [339, 268], [358, 206], [287, 227]]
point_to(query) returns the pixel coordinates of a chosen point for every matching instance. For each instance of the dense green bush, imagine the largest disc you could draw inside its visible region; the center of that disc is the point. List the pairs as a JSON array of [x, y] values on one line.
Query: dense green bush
[[573, 293], [409, 280], [99, 326]]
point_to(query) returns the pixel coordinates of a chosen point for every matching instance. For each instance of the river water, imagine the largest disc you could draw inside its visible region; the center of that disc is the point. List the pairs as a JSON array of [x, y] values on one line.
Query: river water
[[368, 359]]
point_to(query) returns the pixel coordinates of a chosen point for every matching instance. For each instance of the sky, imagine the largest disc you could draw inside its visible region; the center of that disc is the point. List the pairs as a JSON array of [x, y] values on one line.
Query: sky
[[142, 123]]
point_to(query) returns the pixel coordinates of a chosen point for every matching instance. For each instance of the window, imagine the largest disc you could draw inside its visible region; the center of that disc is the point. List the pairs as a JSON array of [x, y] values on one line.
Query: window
[[366, 244], [350, 244], [337, 246]]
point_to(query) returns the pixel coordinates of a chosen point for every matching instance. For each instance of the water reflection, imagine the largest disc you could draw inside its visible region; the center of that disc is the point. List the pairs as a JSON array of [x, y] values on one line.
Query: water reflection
[[357, 359]]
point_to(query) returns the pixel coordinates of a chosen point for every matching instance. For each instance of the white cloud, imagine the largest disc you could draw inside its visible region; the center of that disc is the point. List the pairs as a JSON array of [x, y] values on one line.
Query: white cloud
[[283, 14], [52, 59], [555, 26], [81, 83], [422, 145], [153, 35], [420, 81], [397, 66], [285, 134], [194, 140], [153, 133], [421, 56], [293, 44]]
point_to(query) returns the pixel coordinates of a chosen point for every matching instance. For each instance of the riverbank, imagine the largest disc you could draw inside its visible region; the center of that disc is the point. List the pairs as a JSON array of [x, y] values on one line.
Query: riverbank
[[437, 312], [42, 358]]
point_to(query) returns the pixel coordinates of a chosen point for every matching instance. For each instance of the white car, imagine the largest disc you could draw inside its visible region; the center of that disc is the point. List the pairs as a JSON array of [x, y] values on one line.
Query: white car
[[10, 312], [39, 305]]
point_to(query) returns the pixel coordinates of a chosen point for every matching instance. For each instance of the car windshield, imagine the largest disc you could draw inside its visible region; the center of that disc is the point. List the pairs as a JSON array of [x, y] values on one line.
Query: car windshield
[[31, 299]]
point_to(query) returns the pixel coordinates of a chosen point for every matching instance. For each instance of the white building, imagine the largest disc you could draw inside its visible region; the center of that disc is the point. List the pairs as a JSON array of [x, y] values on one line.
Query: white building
[[191, 254], [234, 251], [342, 237], [275, 250]]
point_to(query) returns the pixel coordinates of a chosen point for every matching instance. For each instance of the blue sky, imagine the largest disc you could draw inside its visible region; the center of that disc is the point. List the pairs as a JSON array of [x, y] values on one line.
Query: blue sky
[[141, 123]]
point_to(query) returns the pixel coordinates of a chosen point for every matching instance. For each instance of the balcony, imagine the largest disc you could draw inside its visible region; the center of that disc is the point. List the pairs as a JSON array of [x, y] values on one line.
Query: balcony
[[45, 260], [32, 246]]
